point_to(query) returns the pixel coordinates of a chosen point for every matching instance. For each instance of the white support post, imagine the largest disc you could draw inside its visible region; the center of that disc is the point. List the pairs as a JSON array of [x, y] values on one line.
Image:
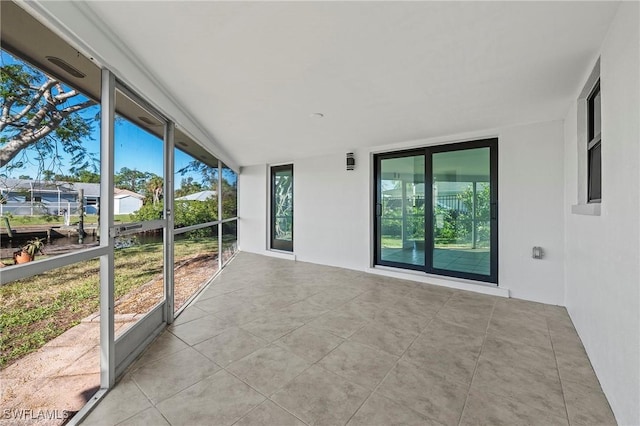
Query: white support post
[[107, 333], [219, 195], [169, 134]]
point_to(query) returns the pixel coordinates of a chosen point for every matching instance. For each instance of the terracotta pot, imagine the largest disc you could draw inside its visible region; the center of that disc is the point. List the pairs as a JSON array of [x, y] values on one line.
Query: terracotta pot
[[21, 257]]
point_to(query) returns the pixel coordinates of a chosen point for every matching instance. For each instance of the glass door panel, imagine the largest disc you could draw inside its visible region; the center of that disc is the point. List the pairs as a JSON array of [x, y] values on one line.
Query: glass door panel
[[401, 210], [282, 207], [461, 212]]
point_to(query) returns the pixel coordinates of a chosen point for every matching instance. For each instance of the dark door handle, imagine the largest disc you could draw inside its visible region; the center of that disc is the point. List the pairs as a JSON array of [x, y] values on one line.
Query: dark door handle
[[494, 211], [378, 210]]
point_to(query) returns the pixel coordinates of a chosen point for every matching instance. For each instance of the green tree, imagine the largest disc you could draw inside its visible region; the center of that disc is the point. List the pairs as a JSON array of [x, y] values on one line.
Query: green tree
[[133, 180], [148, 211], [154, 187], [455, 226], [482, 212], [209, 174], [48, 175], [42, 115], [188, 186], [189, 213], [210, 181], [87, 176], [229, 199]]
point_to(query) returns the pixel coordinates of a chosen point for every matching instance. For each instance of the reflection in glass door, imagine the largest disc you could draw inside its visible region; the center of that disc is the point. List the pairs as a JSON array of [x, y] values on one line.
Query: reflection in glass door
[[401, 210], [282, 207], [461, 211], [446, 223]]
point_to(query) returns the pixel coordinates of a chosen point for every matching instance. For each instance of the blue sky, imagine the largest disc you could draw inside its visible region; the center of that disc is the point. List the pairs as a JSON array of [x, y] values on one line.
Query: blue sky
[[135, 148]]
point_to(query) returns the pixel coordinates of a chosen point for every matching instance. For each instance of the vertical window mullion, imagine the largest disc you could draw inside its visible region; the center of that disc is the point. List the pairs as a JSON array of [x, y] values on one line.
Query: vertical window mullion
[[107, 330]]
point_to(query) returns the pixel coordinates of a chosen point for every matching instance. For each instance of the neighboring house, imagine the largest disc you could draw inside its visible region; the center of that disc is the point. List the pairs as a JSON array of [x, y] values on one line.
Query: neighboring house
[[26, 197], [125, 201], [198, 196]]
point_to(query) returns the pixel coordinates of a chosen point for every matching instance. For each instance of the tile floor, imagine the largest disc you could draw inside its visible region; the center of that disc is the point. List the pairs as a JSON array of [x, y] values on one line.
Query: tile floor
[[275, 342]]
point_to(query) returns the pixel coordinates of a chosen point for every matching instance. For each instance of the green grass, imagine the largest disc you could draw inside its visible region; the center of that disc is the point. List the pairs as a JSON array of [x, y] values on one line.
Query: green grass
[[40, 308], [90, 219], [391, 242]]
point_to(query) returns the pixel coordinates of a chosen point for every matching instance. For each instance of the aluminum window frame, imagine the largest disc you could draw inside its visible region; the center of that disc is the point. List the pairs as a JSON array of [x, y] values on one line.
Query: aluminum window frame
[[114, 360], [594, 142], [280, 245]]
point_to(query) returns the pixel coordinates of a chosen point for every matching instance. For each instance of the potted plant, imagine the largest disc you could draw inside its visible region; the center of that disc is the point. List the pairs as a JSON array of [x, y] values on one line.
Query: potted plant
[[28, 252]]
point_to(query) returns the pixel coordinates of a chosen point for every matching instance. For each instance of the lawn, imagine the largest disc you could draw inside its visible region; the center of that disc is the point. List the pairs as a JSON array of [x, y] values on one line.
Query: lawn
[[89, 219], [390, 241], [40, 308]]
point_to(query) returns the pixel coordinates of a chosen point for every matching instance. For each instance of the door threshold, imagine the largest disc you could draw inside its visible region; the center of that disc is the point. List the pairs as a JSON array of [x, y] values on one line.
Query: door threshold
[[456, 283]]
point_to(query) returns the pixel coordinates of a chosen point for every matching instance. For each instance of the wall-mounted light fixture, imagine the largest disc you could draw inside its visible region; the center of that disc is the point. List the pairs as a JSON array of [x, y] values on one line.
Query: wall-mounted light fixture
[[537, 253], [351, 161]]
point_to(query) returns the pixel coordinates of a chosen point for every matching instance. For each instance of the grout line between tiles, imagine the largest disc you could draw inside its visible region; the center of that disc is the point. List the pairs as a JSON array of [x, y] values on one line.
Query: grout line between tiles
[[555, 358], [475, 369], [268, 397], [398, 361], [420, 333]]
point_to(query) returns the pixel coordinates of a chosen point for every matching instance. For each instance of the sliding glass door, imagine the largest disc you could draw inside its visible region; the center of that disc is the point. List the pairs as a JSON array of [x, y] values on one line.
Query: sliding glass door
[[436, 210], [401, 209]]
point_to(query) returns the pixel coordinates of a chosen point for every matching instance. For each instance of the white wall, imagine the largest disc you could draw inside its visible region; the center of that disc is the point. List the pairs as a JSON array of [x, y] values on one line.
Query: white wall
[[332, 208], [331, 217], [603, 252], [530, 197], [126, 205], [252, 208]]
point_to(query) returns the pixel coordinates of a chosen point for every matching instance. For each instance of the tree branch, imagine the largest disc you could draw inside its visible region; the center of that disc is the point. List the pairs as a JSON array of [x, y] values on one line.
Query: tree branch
[[29, 136], [14, 146], [61, 97], [42, 90], [74, 108], [6, 110]]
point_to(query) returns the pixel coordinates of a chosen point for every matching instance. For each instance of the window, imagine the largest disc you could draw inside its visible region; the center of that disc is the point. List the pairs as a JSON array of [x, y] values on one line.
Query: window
[[282, 207], [594, 156], [589, 179]]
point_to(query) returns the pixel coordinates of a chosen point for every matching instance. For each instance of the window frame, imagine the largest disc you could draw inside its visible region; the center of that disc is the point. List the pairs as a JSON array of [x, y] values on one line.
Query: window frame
[[594, 142], [582, 204], [428, 266], [275, 244]]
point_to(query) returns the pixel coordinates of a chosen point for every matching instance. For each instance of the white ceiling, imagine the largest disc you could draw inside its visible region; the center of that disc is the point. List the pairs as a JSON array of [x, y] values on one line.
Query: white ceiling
[[381, 72]]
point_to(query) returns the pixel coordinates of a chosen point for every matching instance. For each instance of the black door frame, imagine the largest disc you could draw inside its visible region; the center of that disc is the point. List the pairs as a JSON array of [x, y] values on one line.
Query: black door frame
[[377, 208], [492, 144], [280, 244]]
